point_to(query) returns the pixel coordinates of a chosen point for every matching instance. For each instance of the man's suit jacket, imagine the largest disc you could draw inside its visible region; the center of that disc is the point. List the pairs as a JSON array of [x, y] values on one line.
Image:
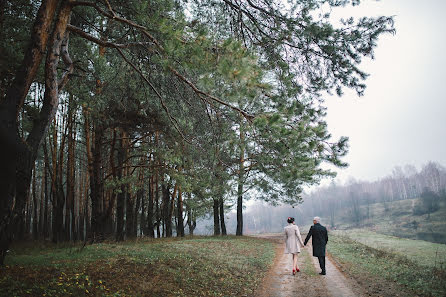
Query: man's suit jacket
[[320, 239]]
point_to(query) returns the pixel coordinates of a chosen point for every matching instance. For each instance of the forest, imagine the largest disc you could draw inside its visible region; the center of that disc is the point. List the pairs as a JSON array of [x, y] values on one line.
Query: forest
[[124, 119]]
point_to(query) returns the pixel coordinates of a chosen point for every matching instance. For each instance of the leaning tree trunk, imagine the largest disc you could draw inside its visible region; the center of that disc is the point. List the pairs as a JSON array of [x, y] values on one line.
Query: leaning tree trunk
[[15, 97], [10, 142]]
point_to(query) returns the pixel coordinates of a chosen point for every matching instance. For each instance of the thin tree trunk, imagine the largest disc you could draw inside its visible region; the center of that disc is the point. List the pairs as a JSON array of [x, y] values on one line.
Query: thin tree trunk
[[167, 221], [130, 201], [143, 220], [130, 211], [191, 221], [180, 225], [35, 204], [216, 217], [121, 197], [42, 201], [150, 231], [240, 181], [139, 197], [45, 230], [97, 185], [69, 214], [222, 217], [157, 210]]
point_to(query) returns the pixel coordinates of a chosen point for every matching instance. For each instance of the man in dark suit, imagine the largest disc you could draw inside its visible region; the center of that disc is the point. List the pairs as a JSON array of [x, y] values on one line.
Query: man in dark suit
[[320, 239]]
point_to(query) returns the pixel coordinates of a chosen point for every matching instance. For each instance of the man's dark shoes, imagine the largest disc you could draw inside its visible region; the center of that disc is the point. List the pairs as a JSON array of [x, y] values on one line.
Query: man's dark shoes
[[322, 273]]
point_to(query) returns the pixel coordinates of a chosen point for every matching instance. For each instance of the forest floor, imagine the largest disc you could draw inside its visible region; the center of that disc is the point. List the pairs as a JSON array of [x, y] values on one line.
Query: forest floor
[[190, 266], [339, 281]]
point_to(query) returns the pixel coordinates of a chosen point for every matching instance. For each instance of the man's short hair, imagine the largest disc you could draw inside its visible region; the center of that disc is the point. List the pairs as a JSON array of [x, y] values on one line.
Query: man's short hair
[[317, 219]]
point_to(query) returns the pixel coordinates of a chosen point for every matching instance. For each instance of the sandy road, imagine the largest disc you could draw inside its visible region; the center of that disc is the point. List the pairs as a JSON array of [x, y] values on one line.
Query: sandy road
[[280, 282]]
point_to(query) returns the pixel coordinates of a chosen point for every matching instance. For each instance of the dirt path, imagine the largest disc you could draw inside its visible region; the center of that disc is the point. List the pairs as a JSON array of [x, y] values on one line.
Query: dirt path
[[280, 282]]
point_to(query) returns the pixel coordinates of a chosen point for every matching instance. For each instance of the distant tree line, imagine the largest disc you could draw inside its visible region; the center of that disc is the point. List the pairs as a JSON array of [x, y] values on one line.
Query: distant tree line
[[428, 184], [355, 198]]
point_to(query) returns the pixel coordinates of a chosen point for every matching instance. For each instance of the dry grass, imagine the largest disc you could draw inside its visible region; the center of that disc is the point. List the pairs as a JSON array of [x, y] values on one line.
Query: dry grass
[[211, 266]]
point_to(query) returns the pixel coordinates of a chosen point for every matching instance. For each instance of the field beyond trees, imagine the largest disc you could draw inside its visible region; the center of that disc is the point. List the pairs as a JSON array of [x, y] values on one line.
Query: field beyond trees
[[399, 218], [412, 267]]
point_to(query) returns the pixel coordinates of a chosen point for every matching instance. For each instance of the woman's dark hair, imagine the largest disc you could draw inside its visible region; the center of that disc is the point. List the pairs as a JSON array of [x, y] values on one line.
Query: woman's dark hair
[[290, 220]]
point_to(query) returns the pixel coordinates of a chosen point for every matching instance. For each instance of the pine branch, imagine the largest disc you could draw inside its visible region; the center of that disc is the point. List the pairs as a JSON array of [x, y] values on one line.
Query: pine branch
[[104, 43], [171, 118], [156, 42]]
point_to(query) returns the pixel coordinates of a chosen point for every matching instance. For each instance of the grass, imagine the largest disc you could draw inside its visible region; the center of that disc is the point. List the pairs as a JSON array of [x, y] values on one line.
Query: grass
[[422, 252], [307, 261], [415, 278], [198, 266]]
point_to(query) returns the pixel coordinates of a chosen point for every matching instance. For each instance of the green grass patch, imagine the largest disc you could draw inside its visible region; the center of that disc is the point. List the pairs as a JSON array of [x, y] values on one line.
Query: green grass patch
[[198, 266], [422, 252], [308, 262], [419, 279]]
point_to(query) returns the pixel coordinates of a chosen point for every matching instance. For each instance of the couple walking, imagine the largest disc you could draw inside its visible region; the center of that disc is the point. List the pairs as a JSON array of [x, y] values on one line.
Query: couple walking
[[293, 242]]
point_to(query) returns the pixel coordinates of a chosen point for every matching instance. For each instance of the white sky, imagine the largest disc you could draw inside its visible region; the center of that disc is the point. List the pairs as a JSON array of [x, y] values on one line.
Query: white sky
[[401, 119]]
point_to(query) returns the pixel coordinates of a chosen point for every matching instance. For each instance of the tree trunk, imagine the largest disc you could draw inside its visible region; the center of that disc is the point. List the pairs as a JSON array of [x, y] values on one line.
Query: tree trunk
[[42, 201], [122, 195], [139, 198], [222, 217], [69, 214], [216, 217], [57, 187], [180, 225], [143, 221], [130, 201], [35, 204], [97, 185], [166, 211], [45, 229], [10, 142], [130, 213], [191, 221], [157, 210], [152, 189], [241, 175]]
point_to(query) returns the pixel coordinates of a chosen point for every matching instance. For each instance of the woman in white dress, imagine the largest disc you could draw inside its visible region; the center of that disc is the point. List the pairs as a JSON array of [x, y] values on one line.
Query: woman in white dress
[[293, 242]]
